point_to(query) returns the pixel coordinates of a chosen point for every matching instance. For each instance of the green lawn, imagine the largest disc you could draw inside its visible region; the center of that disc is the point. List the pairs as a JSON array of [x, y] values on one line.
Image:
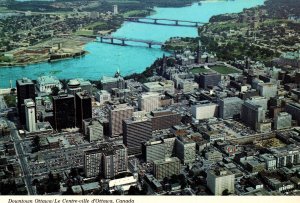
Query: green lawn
[[91, 26], [224, 69], [196, 70], [135, 13], [10, 100], [84, 32]]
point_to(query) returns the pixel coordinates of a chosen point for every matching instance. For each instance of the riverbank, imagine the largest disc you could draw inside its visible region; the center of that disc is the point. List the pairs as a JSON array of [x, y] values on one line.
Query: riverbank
[[58, 48]]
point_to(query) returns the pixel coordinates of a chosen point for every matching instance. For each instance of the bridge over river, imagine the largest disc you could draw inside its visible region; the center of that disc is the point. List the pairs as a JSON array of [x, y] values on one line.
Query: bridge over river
[[162, 21], [122, 41]]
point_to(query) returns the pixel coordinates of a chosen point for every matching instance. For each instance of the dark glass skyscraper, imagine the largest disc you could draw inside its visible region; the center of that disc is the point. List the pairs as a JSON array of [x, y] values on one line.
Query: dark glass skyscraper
[[64, 111], [25, 90], [83, 107]]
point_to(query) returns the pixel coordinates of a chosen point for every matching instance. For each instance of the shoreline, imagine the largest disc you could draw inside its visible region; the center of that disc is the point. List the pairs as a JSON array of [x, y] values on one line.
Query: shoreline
[[23, 65], [93, 37], [49, 60]]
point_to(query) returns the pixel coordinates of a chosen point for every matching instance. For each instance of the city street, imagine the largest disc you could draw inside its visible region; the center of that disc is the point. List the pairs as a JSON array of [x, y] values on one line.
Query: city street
[[22, 157]]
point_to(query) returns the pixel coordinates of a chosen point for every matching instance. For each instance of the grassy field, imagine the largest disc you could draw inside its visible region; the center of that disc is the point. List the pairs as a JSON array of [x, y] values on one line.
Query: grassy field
[[84, 32], [224, 69], [91, 26], [10, 100], [135, 13], [196, 70]]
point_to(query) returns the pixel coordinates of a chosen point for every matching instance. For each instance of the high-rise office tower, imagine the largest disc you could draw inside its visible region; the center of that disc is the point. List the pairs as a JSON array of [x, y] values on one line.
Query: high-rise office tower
[[116, 11], [164, 119], [208, 79], [267, 90], [92, 162], [136, 130], [282, 120], [25, 90], [166, 168], [107, 161], [149, 101], [293, 109], [115, 161], [185, 149], [154, 150], [252, 114], [83, 107], [30, 115], [230, 107], [64, 111], [117, 114]]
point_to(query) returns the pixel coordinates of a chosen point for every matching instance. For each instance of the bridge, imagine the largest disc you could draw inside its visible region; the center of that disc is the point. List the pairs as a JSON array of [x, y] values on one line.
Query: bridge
[[157, 21], [122, 41]]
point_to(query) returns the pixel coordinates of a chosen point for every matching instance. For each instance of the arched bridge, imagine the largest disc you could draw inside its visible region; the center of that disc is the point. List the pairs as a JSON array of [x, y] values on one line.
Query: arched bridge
[[158, 21], [122, 41]]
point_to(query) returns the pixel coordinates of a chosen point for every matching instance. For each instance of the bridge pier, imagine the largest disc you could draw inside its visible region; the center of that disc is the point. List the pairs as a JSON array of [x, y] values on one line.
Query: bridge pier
[[196, 24], [101, 39], [123, 42], [149, 45], [112, 40], [155, 21], [176, 22]]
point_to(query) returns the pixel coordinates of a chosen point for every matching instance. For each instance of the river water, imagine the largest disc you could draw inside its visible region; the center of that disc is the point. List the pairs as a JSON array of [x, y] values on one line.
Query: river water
[[105, 59]]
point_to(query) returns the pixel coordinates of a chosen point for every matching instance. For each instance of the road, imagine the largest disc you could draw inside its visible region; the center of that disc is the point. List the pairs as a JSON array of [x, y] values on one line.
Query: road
[[22, 157]]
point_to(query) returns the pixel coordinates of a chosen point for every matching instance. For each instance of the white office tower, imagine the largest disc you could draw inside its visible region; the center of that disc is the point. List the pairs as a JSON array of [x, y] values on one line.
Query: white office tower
[[30, 115], [220, 181], [149, 101], [116, 12]]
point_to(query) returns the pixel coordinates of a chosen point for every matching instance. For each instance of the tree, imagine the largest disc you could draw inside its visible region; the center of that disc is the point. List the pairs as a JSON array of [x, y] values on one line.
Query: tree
[[133, 190], [36, 142], [35, 182], [289, 165], [116, 192], [13, 91], [69, 191], [225, 192], [145, 189], [166, 180], [54, 91], [74, 172]]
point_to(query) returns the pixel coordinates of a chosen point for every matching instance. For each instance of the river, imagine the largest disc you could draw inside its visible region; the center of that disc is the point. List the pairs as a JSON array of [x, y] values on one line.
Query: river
[[105, 59]]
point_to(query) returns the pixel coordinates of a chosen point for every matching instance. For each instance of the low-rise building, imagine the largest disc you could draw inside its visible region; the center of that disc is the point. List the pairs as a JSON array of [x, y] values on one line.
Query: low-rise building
[[220, 181]]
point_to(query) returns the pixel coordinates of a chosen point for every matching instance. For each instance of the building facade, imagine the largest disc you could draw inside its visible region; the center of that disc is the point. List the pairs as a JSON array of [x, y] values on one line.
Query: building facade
[[219, 181], [83, 107], [153, 150], [30, 115], [46, 83], [185, 149], [64, 111], [136, 130], [282, 120], [252, 115], [149, 101], [25, 90], [208, 80], [230, 107], [117, 114], [164, 119], [204, 111], [166, 168]]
